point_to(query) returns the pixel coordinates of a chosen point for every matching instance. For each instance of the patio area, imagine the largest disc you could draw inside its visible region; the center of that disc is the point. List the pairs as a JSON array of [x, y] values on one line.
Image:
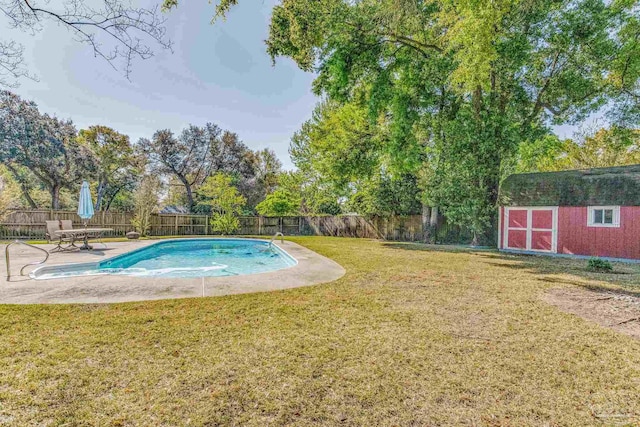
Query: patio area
[[310, 270]]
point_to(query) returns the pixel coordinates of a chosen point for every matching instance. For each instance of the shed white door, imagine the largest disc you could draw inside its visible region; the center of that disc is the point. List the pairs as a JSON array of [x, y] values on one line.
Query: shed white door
[[531, 229]]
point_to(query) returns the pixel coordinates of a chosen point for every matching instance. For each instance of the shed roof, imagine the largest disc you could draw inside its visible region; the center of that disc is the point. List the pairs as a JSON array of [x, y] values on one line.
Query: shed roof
[[584, 187]]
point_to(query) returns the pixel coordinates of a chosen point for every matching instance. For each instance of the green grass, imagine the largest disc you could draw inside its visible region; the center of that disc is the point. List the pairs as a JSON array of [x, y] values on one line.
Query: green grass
[[408, 337]]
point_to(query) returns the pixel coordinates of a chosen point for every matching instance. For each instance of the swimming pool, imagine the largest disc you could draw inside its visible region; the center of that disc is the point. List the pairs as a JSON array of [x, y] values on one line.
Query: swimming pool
[[183, 258]]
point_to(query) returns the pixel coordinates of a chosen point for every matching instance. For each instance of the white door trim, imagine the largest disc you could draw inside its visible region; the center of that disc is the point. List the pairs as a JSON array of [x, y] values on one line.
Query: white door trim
[[529, 228]]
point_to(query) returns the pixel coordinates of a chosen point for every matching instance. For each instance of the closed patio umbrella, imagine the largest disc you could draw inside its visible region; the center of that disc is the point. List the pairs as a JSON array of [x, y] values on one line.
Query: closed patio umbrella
[[85, 209]]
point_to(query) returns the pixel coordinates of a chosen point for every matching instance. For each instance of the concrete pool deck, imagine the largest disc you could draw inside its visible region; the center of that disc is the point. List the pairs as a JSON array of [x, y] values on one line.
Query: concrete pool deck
[[312, 269]]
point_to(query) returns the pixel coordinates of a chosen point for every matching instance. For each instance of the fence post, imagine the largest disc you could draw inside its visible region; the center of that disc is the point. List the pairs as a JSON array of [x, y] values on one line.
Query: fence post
[[260, 225], [206, 225], [176, 227]]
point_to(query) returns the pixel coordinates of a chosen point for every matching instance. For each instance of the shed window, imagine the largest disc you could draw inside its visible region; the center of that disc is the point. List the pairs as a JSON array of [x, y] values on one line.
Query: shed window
[[603, 216]]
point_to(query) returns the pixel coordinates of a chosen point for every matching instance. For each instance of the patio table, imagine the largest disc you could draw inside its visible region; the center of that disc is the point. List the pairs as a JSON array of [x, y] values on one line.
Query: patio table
[[84, 233]]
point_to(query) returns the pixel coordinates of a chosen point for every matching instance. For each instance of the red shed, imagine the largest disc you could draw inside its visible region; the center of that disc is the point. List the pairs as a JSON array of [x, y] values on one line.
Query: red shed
[[590, 212]]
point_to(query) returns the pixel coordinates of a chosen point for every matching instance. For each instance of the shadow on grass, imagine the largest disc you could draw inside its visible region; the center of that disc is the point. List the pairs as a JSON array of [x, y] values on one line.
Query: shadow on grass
[[412, 246], [624, 279], [562, 271]]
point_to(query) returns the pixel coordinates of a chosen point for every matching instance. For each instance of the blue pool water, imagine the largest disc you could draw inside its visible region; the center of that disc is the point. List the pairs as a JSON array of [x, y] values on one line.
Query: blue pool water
[[184, 258]]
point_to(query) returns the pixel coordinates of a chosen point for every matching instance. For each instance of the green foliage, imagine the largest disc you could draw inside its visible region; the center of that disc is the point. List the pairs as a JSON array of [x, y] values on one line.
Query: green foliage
[[317, 196], [225, 201], [260, 177], [47, 160], [145, 198], [385, 196], [599, 265], [219, 193], [540, 155], [8, 195], [452, 89], [222, 7], [187, 157], [225, 223], [200, 152], [346, 151], [36, 144], [590, 148], [268, 168], [116, 167], [339, 143], [279, 203]]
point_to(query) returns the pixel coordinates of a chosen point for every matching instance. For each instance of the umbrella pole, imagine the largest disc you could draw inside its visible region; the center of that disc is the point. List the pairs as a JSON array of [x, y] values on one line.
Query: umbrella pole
[[86, 246]]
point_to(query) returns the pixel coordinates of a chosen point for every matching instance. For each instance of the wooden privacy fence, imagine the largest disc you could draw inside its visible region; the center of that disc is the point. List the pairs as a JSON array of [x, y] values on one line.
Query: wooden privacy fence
[[30, 224]]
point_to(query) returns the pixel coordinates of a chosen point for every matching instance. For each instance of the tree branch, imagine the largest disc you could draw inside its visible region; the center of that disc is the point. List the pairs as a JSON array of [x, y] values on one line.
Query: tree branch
[[127, 32]]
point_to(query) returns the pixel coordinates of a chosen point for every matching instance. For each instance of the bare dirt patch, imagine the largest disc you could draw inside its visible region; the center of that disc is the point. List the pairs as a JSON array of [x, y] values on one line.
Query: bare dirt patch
[[617, 310]]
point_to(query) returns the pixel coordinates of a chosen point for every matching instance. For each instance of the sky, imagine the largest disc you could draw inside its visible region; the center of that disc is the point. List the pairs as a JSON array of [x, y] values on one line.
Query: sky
[[217, 73]]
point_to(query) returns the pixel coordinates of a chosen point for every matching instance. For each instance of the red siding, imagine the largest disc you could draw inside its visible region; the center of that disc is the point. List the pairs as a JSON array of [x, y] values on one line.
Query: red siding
[[574, 237]]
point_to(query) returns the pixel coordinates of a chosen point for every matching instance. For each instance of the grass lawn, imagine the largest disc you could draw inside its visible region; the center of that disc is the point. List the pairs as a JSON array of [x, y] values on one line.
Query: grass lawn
[[409, 337]]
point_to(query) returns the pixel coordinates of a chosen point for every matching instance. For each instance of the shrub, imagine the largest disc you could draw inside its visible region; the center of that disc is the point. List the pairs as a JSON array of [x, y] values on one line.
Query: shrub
[[225, 223], [599, 265], [225, 201], [146, 199]]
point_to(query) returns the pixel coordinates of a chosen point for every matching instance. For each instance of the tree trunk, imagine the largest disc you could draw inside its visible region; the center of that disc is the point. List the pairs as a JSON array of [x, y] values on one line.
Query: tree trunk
[[27, 196], [433, 221], [426, 230], [189, 197], [187, 187], [433, 224], [55, 197], [112, 198], [102, 188], [494, 196]]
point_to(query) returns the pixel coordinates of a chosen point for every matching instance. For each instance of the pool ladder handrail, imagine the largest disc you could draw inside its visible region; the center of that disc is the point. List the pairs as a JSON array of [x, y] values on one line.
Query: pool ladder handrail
[[274, 237], [8, 260]]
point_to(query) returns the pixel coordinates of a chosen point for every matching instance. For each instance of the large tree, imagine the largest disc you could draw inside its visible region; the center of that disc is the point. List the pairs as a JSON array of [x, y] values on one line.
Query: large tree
[[200, 152], [46, 146], [460, 84], [115, 30], [233, 158], [116, 167], [268, 168], [344, 148], [188, 157]]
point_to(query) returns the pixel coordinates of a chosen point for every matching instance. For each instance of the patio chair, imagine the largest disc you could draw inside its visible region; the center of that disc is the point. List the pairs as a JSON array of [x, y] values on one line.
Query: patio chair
[[51, 236]]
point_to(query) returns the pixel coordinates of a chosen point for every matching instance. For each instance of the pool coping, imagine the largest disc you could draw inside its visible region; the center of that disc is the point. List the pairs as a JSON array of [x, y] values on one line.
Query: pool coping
[[311, 269]]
